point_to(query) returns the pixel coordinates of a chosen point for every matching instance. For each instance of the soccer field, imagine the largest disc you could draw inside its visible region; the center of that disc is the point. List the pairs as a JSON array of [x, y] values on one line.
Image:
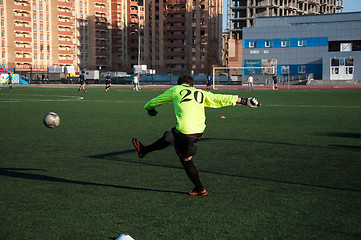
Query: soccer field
[[290, 169]]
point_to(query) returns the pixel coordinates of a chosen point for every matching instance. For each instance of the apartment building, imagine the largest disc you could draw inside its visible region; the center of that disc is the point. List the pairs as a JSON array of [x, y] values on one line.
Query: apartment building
[[111, 35], [182, 35]]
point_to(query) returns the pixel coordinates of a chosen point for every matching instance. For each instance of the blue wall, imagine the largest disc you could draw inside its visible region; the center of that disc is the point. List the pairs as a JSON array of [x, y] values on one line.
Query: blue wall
[[310, 42]]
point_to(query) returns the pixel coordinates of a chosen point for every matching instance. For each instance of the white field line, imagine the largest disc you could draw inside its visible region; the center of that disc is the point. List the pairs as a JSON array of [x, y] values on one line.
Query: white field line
[[47, 98]]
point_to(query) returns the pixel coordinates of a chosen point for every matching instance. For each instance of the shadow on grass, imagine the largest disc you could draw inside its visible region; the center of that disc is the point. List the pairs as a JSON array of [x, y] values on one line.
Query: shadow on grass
[[341, 134], [114, 156], [18, 173]]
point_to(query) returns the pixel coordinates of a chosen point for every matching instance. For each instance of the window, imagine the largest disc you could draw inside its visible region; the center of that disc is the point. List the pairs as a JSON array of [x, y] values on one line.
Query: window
[[285, 69], [302, 43], [252, 44], [346, 47], [302, 69], [335, 62], [285, 43], [268, 44], [349, 61]]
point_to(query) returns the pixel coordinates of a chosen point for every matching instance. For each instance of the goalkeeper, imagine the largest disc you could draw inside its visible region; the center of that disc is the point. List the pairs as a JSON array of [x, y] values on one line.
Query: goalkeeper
[[188, 103]]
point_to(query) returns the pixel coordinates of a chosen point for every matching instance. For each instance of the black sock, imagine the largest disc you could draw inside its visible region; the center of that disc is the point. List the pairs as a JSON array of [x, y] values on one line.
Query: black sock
[[192, 174]]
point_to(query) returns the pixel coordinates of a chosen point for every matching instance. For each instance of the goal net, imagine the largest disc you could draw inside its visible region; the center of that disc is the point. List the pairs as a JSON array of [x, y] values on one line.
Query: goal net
[[239, 75]]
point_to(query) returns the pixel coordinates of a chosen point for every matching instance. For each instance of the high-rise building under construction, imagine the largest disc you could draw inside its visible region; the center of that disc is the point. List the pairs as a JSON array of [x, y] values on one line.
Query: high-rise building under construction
[[243, 12]]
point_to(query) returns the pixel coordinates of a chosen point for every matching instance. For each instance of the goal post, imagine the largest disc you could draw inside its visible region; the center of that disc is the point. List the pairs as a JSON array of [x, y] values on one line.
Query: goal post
[[234, 74]]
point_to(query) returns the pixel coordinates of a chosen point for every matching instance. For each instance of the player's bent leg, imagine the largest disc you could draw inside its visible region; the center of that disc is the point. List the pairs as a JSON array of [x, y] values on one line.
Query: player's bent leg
[[160, 144]]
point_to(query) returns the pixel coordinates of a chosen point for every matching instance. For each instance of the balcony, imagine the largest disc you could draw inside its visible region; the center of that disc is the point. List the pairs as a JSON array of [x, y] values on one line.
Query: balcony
[[66, 43], [175, 19], [101, 44], [101, 36], [176, 2], [65, 14], [175, 53], [22, 8], [101, 62], [176, 44], [102, 54], [63, 23], [174, 28], [65, 33], [22, 18], [65, 52], [174, 36], [23, 39], [65, 4], [64, 61], [101, 19], [22, 29], [176, 10], [23, 60], [103, 2], [23, 49]]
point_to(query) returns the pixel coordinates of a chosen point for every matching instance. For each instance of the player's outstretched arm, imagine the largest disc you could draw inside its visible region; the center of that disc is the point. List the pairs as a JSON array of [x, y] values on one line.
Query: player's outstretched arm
[[250, 102]]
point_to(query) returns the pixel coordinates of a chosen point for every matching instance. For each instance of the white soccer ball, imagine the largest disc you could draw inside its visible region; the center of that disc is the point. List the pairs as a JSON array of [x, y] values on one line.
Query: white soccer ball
[[51, 120], [124, 237]]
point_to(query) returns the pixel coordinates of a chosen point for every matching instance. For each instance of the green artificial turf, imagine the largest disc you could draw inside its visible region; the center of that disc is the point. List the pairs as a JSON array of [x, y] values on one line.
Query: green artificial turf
[[288, 170]]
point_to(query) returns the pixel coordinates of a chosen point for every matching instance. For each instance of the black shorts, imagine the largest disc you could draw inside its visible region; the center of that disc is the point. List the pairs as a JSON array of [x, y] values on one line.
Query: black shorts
[[184, 143]]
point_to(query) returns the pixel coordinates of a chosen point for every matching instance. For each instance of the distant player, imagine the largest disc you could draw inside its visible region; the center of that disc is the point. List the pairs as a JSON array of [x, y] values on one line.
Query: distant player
[[275, 87], [10, 80], [209, 82], [188, 103], [135, 81], [250, 82], [82, 81], [108, 82]]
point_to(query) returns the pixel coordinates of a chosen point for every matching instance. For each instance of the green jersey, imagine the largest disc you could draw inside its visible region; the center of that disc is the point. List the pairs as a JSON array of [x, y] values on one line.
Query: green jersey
[[189, 103]]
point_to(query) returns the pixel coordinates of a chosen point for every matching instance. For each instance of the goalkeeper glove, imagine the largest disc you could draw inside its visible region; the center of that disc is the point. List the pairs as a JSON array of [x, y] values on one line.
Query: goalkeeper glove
[[250, 102], [152, 112]]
